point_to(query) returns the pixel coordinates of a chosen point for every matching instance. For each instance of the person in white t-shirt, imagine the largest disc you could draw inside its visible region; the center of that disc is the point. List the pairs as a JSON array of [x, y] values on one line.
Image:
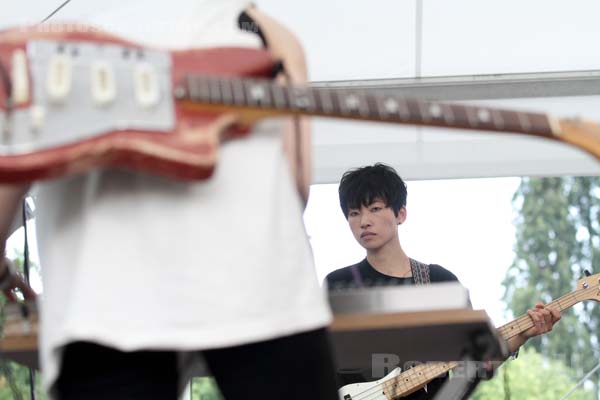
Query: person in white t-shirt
[[139, 270]]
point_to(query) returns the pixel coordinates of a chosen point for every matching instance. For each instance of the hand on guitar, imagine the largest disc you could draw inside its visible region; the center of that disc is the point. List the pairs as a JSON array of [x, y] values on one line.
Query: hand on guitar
[[543, 319], [11, 280]]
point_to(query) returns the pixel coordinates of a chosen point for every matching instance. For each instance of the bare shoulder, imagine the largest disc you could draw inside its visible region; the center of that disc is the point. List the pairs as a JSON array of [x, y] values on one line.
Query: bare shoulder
[[10, 199]]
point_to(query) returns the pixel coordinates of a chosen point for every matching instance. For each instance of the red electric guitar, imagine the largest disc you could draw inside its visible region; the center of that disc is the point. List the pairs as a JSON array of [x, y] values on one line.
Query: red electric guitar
[[74, 99]]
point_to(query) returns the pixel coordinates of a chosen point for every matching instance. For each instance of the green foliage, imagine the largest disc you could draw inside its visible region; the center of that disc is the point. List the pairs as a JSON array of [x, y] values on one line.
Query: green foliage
[[205, 389], [531, 377], [557, 238], [15, 378], [14, 383]]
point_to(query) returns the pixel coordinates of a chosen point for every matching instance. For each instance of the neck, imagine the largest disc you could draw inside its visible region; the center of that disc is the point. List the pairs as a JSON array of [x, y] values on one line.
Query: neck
[[390, 259]]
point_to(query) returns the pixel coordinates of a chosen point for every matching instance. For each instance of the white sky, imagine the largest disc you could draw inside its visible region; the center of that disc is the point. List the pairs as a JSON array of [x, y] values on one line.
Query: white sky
[[464, 225]]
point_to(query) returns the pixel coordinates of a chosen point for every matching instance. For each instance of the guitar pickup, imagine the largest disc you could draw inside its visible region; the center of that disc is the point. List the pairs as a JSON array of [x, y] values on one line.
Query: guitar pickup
[[20, 78], [58, 83], [104, 86], [147, 87]]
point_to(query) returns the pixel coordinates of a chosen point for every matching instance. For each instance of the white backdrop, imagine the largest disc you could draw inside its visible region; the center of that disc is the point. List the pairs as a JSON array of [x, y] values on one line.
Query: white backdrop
[[369, 40]]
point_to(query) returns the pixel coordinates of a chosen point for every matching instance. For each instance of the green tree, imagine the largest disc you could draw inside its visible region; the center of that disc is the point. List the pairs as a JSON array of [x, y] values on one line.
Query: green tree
[[15, 383], [15, 378], [531, 377], [205, 389], [557, 238]]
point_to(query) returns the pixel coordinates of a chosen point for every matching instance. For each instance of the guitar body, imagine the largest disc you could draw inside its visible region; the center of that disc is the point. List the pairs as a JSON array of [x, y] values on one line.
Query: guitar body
[[375, 390], [84, 99]]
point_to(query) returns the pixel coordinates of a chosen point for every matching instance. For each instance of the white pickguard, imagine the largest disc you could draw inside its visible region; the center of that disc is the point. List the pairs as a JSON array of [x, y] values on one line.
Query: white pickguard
[[367, 390]]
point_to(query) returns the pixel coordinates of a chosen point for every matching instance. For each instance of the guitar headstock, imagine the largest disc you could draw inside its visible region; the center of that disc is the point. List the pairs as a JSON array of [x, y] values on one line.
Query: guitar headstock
[[581, 133], [589, 287]]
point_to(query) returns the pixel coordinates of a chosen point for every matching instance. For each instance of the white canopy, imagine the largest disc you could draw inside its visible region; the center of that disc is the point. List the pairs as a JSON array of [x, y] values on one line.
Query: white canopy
[[352, 40]]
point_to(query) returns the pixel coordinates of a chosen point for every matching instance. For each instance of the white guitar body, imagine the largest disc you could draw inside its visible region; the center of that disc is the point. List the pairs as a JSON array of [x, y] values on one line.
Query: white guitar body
[[368, 390]]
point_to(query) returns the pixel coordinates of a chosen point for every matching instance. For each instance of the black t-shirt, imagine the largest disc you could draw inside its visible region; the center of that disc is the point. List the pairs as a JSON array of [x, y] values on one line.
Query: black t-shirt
[[345, 278], [364, 275]]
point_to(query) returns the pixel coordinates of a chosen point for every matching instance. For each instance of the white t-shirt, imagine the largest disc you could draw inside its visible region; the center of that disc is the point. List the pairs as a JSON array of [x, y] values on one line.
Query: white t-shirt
[[136, 262]]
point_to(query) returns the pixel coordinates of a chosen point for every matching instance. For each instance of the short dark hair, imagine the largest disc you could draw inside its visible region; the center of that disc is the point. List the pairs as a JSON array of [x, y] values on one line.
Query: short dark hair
[[363, 185]]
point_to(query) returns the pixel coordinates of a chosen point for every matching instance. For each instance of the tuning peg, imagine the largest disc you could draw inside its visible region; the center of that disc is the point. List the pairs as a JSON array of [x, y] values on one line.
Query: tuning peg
[[586, 272]]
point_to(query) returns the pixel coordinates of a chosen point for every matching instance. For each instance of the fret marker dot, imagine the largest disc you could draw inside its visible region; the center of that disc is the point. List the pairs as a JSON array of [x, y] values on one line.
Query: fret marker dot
[[302, 102], [391, 106], [435, 110], [179, 92], [352, 102], [257, 92], [483, 115]]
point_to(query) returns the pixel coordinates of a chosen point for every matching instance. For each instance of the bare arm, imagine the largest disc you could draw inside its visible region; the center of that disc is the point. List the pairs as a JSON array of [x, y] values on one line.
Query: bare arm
[[10, 201], [543, 321], [286, 47]]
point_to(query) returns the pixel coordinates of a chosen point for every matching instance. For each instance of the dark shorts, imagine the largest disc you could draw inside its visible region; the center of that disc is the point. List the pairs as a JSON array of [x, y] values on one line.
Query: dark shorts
[[292, 368]]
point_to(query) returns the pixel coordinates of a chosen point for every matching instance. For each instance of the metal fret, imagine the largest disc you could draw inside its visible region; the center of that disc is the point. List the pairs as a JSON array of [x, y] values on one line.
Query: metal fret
[[497, 118], [524, 121], [447, 114], [403, 109], [326, 102], [318, 105], [423, 111], [363, 105], [203, 90], [371, 103], [191, 87], [278, 94], [459, 114], [214, 90], [238, 92], [413, 110], [471, 117], [339, 96], [226, 91]]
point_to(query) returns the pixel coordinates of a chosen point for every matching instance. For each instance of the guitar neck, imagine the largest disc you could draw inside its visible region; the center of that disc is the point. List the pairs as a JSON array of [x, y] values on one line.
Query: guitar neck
[[524, 322], [415, 378], [272, 99]]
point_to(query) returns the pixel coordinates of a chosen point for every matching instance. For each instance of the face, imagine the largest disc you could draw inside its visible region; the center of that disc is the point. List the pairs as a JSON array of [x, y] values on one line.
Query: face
[[376, 225]]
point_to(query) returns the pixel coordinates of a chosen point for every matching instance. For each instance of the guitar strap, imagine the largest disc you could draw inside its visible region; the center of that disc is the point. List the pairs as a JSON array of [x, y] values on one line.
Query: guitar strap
[[420, 272], [246, 23]]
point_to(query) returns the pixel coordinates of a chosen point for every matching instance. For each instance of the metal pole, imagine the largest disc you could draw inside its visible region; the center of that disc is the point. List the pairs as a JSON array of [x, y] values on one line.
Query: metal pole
[[570, 392]]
